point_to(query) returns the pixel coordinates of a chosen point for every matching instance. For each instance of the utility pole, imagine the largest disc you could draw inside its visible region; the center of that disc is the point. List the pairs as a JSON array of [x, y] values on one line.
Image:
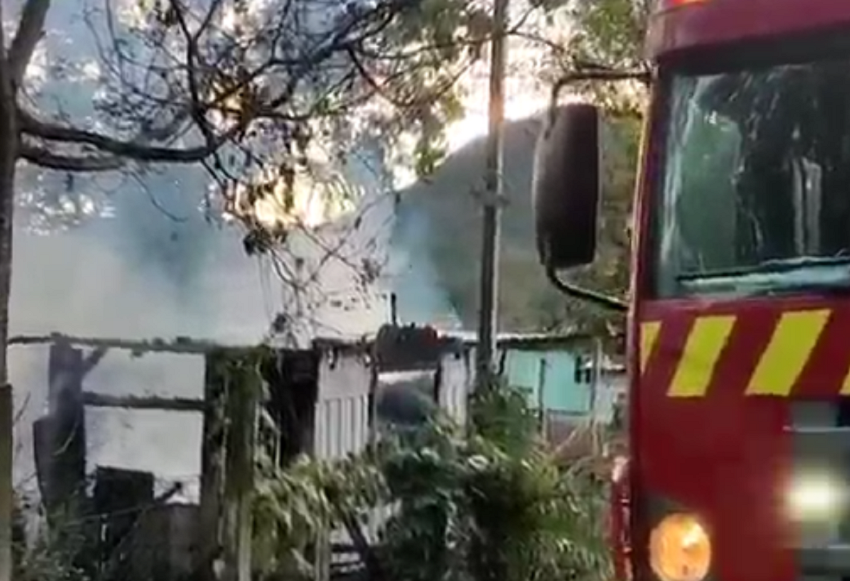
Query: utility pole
[[492, 201]]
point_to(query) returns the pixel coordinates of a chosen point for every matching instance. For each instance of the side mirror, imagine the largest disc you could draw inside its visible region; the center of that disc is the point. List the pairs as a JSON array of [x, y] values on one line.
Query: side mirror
[[565, 186]]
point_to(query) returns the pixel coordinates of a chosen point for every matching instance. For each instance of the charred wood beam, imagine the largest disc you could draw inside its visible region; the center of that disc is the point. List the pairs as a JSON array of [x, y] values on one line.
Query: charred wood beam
[[408, 348], [210, 546], [61, 435], [241, 406], [177, 404], [292, 382], [176, 345], [92, 359], [120, 550]]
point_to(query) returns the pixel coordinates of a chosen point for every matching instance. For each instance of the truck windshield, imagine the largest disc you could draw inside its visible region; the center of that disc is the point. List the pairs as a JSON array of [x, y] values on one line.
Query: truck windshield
[[754, 196]]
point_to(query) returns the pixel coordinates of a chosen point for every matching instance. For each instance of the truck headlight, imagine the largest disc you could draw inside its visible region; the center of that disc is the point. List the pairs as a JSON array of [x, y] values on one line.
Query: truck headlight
[[680, 548], [815, 497]]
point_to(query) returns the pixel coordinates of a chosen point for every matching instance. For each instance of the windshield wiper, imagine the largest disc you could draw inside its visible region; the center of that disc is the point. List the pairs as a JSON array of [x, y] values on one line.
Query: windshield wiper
[[773, 266]]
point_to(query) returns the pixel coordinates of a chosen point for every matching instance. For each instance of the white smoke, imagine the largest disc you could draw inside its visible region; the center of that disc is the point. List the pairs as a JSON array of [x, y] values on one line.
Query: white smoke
[[143, 262]]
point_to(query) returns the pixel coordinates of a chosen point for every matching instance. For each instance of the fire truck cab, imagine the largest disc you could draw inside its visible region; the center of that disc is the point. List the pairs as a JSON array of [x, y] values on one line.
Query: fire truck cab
[[739, 309]]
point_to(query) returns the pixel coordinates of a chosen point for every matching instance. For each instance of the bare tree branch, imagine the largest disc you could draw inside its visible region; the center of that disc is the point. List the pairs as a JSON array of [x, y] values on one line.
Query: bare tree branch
[[195, 107], [49, 160], [138, 151]]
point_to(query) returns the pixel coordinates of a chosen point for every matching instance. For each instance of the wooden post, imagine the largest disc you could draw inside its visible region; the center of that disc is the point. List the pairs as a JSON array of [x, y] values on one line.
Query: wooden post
[[245, 474], [541, 399], [243, 385], [595, 386], [61, 436], [146, 402], [209, 540], [372, 397]]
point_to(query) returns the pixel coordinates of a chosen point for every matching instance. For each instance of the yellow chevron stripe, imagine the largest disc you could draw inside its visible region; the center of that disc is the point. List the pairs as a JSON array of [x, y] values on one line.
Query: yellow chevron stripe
[[648, 336], [790, 346], [845, 386], [702, 349]]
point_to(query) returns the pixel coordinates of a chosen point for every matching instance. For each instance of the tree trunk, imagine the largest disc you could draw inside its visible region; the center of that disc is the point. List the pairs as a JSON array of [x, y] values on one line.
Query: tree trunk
[[8, 146], [8, 158]]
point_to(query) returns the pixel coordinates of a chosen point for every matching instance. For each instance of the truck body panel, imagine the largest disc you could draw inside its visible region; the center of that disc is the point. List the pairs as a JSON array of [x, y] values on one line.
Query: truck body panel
[[716, 384], [687, 24], [713, 416]]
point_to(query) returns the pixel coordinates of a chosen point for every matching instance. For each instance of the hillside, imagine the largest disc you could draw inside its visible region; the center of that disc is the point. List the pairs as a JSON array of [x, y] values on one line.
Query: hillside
[[439, 221]]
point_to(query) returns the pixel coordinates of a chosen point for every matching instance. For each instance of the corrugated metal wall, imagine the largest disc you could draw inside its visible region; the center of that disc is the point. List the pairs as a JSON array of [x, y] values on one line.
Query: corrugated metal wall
[[457, 374], [342, 427], [343, 417], [342, 406]]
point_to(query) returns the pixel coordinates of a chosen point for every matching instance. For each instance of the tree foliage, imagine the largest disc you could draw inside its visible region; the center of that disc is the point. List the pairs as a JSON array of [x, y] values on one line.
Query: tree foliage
[[251, 89], [608, 33]]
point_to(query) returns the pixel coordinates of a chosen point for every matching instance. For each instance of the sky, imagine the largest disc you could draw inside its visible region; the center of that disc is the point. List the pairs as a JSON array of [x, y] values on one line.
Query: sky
[[526, 92], [521, 100]]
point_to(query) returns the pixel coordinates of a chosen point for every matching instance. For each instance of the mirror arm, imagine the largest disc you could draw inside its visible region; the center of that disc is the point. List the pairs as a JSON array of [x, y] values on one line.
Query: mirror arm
[[594, 297], [597, 73], [591, 72]]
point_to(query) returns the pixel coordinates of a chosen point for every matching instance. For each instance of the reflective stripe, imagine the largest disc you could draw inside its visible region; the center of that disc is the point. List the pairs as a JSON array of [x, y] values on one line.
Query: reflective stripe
[[790, 347], [705, 343]]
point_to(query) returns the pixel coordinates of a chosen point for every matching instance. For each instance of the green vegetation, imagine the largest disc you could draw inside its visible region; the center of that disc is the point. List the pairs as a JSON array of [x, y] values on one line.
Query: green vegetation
[[53, 554], [609, 32], [448, 204], [488, 504], [491, 505]]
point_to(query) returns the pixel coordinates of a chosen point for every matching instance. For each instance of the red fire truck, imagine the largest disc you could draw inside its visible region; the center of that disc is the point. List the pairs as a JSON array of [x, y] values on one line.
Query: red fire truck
[[739, 310]]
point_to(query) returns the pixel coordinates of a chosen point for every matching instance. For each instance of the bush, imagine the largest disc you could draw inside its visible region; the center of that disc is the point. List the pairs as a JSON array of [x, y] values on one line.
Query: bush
[[488, 505], [494, 506], [52, 553]]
